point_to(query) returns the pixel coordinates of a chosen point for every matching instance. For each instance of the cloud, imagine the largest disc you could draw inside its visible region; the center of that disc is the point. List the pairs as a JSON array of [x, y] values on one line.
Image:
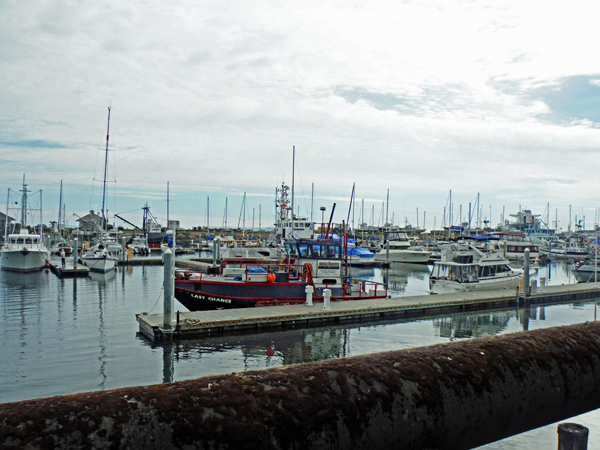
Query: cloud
[[418, 97]]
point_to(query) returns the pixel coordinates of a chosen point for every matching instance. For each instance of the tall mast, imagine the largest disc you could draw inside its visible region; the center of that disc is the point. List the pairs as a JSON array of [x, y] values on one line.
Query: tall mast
[[312, 196], [207, 212], [387, 208], [293, 170], [60, 207], [23, 204], [105, 172], [167, 204]]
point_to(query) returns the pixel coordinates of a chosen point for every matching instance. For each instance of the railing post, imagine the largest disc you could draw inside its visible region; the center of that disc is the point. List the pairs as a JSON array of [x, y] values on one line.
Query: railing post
[[572, 436]]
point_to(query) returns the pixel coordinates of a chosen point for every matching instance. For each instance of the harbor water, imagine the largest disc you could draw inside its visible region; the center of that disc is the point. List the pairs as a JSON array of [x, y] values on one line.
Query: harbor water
[[63, 336]]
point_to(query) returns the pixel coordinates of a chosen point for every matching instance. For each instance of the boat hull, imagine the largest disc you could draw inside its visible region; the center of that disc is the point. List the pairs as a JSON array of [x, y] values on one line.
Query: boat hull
[[201, 295], [440, 286], [24, 261], [99, 264], [405, 256]]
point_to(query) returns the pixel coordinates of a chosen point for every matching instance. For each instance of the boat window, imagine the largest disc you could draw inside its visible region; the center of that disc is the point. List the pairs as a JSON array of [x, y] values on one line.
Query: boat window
[[484, 271], [454, 273], [319, 251], [20, 241], [305, 251], [492, 271], [291, 250], [334, 252], [468, 274]]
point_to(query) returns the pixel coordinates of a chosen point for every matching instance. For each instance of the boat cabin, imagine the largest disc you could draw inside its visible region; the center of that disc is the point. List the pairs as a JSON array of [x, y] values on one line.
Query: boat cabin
[[325, 256], [24, 240]]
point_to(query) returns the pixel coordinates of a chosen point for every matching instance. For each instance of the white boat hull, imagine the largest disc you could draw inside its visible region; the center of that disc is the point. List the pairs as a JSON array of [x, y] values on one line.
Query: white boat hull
[[447, 286], [24, 261], [101, 264], [406, 256]]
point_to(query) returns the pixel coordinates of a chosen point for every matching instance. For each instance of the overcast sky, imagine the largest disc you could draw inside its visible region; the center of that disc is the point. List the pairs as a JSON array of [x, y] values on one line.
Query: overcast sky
[[499, 98]]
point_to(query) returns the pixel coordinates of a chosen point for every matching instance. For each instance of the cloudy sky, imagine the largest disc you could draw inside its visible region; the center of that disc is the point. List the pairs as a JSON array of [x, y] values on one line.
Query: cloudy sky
[[497, 98]]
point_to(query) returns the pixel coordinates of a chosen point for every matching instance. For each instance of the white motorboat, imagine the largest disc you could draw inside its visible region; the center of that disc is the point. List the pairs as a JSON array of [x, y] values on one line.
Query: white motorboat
[[24, 252], [402, 250], [138, 245], [246, 249], [465, 268], [512, 247], [98, 259], [586, 271], [572, 249]]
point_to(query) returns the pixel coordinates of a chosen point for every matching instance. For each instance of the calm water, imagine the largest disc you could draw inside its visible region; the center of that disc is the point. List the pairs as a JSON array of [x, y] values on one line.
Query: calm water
[[76, 335]]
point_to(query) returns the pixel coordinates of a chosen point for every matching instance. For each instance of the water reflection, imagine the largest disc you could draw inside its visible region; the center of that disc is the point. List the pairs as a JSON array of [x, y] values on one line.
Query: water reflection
[[398, 274], [25, 280], [103, 278], [262, 350]]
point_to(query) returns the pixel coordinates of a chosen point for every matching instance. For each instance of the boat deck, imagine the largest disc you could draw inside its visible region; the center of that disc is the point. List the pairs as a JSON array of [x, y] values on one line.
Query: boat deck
[[230, 321]]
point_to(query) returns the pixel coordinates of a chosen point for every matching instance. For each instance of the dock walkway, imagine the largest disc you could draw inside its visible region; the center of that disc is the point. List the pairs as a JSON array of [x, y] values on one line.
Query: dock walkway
[[198, 323]]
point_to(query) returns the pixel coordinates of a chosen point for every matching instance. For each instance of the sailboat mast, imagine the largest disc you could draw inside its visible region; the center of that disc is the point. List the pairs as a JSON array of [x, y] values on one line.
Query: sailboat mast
[[105, 171], [24, 204], [293, 170], [60, 207]]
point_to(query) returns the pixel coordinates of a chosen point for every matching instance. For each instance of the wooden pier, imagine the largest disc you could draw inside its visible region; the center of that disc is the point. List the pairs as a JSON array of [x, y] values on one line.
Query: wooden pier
[[230, 321]]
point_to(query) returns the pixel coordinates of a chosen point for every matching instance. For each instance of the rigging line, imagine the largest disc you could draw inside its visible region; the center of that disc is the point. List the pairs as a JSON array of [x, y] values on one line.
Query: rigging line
[[159, 294]]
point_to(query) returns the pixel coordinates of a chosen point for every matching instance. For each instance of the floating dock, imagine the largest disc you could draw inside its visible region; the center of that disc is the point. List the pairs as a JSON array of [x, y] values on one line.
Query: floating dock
[[69, 271], [230, 321]]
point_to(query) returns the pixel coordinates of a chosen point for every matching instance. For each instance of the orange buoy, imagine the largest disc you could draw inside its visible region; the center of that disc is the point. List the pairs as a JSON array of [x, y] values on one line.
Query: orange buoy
[[270, 277]]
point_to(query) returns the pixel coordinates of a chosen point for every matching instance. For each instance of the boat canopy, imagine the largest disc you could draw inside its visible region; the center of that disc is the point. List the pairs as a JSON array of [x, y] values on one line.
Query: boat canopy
[[482, 238]]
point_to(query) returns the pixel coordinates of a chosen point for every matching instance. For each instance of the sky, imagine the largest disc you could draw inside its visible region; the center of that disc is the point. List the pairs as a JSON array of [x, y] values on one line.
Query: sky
[[496, 100]]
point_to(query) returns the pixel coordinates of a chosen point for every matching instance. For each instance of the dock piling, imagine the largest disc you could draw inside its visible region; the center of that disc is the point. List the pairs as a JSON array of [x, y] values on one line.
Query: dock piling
[[526, 286], [326, 299], [309, 293], [75, 253], [168, 293], [572, 436]]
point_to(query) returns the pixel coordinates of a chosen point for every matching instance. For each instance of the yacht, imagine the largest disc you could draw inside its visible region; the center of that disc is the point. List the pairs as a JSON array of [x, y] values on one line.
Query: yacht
[[463, 268], [402, 250], [512, 247], [586, 271], [572, 249], [24, 252]]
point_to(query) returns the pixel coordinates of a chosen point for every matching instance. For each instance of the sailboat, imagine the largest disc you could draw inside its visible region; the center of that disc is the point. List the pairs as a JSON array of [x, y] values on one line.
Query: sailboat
[[23, 252], [98, 258]]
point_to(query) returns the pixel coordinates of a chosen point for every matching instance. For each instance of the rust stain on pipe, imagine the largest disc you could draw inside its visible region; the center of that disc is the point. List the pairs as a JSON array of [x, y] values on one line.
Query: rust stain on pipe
[[448, 396]]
